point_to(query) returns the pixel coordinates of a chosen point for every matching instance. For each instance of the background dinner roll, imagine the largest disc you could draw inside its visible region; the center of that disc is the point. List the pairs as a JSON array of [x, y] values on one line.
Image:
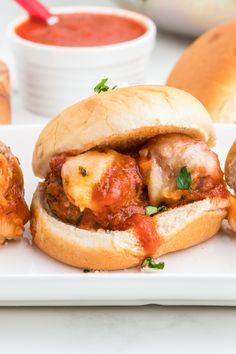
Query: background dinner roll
[[121, 119], [207, 70], [5, 110], [230, 176], [230, 167]]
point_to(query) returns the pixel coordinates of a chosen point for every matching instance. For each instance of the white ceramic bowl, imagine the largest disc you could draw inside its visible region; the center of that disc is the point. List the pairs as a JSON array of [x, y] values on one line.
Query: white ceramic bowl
[[188, 17], [52, 77]]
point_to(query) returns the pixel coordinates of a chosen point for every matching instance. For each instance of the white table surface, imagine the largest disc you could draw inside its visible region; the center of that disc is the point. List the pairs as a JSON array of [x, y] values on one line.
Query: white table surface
[[124, 329]]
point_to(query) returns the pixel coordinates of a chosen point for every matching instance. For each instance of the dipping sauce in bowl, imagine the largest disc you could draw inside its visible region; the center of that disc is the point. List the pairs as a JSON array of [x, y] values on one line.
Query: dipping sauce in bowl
[[60, 64], [82, 30]]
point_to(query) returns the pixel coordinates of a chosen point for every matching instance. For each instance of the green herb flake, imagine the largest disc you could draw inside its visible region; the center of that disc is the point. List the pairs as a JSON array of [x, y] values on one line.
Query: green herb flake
[[149, 262], [83, 171], [101, 86], [151, 210], [184, 180]]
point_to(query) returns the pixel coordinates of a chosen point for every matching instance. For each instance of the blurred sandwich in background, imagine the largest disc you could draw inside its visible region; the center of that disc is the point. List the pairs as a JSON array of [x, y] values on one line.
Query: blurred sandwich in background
[[5, 107], [207, 70]]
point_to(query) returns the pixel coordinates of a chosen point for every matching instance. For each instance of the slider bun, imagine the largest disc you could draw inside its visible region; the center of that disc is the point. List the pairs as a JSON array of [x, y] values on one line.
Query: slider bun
[[177, 228], [207, 70], [121, 119], [230, 176], [230, 167]]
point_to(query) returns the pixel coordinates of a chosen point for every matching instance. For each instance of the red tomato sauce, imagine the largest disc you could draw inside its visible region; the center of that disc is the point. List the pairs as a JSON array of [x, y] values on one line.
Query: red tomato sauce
[[82, 30], [121, 186], [56, 163], [121, 204], [144, 228], [117, 196], [120, 198]]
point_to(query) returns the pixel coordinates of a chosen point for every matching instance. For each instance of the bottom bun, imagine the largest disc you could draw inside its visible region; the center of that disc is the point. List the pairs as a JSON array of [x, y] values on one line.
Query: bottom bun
[[232, 212], [177, 228]]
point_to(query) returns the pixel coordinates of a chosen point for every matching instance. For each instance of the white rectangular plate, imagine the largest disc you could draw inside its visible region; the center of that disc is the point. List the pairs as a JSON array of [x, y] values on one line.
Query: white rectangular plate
[[202, 275]]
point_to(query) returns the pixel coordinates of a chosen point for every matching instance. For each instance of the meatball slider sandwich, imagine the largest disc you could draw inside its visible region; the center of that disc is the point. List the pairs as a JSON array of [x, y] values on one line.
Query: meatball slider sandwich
[[230, 176], [207, 70], [14, 212], [128, 174]]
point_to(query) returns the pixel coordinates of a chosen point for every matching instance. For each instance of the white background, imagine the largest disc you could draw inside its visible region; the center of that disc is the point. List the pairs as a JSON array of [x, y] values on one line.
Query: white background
[[112, 330]]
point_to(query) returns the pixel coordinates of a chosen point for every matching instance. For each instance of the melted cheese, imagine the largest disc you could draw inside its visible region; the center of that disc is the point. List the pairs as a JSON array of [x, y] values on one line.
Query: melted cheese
[[78, 186], [164, 158], [155, 182]]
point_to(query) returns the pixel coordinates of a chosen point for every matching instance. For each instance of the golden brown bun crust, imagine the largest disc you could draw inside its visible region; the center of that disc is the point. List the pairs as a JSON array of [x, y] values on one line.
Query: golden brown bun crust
[[5, 106], [207, 70], [178, 228], [232, 212], [230, 167], [120, 119], [230, 176]]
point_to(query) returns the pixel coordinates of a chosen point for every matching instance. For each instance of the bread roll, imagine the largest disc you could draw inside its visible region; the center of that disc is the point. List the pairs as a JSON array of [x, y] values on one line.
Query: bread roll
[[230, 176], [207, 70], [121, 119], [5, 110]]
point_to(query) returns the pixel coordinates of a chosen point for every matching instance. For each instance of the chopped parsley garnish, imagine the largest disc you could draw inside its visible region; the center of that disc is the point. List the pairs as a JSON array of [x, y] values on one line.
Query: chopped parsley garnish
[[184, 180], [149, 262], [83, 171], [102, 87], [151, 210]]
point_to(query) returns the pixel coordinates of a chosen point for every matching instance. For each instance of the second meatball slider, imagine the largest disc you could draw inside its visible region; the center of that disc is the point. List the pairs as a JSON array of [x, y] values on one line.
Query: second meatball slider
[[128, 174]]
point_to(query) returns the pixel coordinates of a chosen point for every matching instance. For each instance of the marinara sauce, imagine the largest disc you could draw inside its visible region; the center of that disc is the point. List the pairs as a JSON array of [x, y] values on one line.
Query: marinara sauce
[[82, 30]]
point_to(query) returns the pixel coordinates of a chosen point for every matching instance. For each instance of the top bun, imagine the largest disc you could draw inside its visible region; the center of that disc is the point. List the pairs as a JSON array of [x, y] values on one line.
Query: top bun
[[121, 119], [207, 70]]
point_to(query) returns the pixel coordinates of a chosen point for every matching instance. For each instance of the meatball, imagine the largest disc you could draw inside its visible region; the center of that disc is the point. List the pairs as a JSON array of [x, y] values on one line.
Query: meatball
[[95, 189], [161, 161]]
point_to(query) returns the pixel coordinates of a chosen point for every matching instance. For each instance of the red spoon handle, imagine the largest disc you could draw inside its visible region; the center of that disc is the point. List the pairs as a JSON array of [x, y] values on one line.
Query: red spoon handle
[[35, 9]]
